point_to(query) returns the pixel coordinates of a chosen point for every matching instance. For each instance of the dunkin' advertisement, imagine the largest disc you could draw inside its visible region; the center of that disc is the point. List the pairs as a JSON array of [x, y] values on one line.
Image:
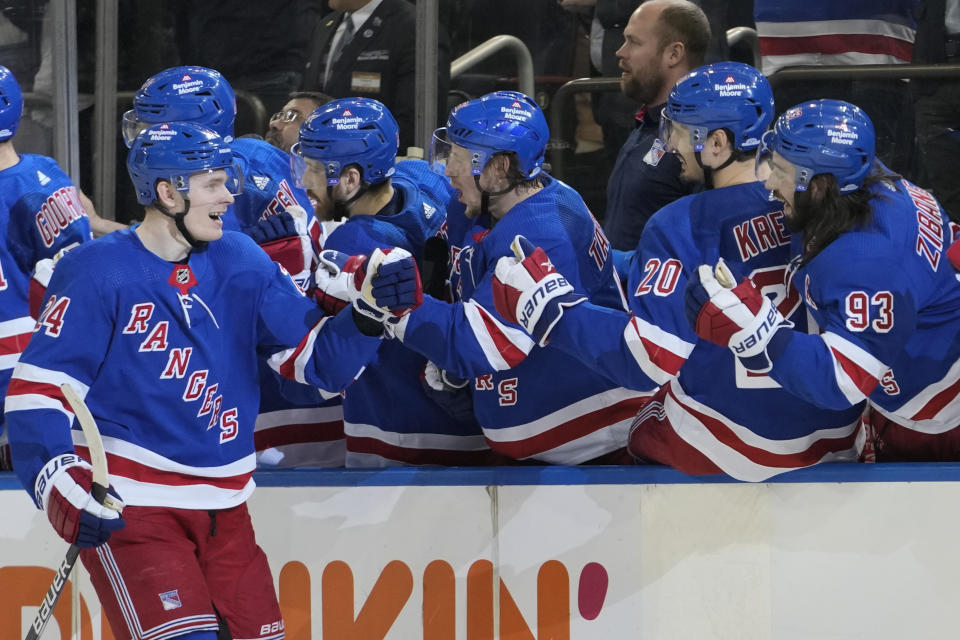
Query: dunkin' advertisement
[[567, 562]]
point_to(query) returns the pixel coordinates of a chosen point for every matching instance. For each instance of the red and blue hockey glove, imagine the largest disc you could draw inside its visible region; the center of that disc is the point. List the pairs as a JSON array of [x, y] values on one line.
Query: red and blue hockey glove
[[333, 281], [284, 237], [740, 317], [385, 287], [449, 392], [528, 290], [65, 490]]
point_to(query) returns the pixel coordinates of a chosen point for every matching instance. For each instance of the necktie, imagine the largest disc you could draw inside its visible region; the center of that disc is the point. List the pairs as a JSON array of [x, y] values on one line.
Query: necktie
[[344, 40]]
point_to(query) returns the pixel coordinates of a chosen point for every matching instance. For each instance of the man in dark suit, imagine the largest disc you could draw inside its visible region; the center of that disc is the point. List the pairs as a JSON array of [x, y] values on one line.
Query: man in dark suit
[[367, 48]]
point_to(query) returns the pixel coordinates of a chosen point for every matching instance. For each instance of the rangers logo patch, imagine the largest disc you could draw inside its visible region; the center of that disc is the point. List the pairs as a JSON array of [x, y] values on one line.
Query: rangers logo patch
[[170, 600]]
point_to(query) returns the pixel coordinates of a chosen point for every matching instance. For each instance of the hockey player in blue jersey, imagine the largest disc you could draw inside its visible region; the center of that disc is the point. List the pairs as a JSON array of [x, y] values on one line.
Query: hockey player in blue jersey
[[710, 415], [869, 261], [297, 427], [531, 403], [347, 155], [41, 215], [159, 328]]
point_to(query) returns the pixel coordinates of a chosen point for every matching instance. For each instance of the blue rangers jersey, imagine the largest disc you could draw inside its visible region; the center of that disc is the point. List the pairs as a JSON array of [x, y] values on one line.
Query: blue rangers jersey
[[888, 305], [301, 427], [743, 423], [268, 188], [166, 358], [40, 216], [388, 419], [531, 403]]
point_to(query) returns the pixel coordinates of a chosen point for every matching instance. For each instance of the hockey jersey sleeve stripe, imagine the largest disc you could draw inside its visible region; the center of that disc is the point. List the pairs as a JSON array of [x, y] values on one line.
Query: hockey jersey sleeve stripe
[[279, 435], [658, 353], [24, 395], [509, 441], [291, 362], [15, 343], [687, 420], [857, 372], [133, 470], [503, 346]]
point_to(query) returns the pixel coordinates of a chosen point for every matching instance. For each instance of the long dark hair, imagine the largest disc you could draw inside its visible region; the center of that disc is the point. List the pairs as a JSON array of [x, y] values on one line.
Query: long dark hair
[[825, 213]]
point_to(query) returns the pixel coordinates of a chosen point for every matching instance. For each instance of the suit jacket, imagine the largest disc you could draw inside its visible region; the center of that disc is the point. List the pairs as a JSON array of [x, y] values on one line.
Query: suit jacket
[[379, 62]]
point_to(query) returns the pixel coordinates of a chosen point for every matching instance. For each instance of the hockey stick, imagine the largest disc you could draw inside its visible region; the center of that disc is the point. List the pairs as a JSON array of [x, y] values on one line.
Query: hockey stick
[[98, 460]]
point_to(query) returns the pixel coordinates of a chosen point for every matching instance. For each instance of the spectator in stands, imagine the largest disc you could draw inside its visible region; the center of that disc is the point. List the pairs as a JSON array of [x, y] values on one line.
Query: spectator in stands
[[663, 40], [366, 48], [937, 116], [285, 124]]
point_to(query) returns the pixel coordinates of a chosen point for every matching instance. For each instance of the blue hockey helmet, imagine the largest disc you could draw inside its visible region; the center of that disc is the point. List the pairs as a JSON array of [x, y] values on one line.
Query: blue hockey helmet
[[822, 136], [11, 104], [725, 95], [175, 151], [359, 131], [502, 121], [183, 94]]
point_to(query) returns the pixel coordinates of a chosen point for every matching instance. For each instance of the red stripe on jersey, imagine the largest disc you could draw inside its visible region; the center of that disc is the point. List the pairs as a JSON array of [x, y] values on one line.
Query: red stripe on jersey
[[20, 387], [507, 349], [120, 466], [419, 456], [288, 369], [660, 356], [570, 430], [10, 345], [938, 402], [836, 44], [298, 434], [861, 377], [811, 455]]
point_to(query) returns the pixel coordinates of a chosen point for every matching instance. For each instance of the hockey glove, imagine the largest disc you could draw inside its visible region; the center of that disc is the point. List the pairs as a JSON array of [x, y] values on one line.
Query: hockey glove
[[528, 290], [739, 317], [284, 237], [450, 393], [64, 489], [385, 287], [333, 281]]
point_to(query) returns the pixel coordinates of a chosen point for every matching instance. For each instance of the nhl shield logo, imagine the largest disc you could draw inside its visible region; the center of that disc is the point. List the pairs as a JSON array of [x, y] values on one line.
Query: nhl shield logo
[[182, 278]]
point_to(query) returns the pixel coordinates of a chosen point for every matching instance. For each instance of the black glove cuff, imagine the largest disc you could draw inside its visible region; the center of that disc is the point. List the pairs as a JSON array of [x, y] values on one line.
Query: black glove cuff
[[367, 326]]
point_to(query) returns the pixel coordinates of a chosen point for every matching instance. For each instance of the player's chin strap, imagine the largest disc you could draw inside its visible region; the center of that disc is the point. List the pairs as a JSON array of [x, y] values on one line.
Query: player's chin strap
[[181, 226], [709, 171], [486, 195]]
